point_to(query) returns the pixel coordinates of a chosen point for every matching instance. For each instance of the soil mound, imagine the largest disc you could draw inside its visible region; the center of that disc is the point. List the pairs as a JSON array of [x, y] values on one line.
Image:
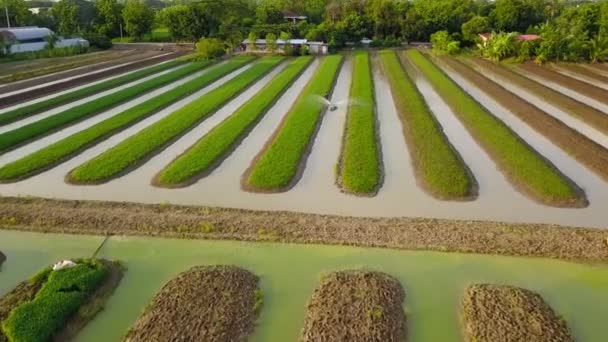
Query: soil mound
[[210, 303], [356, 306], [495, 313], [2, 258]]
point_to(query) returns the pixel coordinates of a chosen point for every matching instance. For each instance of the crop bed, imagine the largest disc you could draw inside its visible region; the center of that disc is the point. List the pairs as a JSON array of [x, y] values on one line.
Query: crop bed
[[210, 150], [57, 304], [581, 70], [211, 303], [495, 313], [520, 163], [62, 150], [278, 164], [359, 167], [16, 137], [132, 151], [356, 306]]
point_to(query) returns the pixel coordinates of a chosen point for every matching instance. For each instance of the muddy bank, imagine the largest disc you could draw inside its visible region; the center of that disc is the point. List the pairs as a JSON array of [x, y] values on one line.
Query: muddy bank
[[211, 303], [495, 313], [22, 293], [486, 237], [356, 306], [584, 88]]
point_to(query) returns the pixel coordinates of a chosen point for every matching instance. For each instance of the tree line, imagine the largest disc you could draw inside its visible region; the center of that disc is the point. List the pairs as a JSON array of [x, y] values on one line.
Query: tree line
[[570, 30]]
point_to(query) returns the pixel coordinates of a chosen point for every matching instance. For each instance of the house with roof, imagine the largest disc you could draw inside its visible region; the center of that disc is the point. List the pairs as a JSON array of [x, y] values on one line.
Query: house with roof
[[292, 16], [522, 37], [33, 38], [260, 45]]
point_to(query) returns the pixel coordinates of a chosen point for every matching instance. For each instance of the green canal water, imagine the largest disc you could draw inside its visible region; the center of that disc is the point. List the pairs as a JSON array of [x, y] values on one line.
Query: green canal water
[[433, 281]]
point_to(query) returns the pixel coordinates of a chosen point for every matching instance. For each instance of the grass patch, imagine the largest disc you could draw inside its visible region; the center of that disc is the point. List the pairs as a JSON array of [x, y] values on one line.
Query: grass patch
[[518, 161], [136, 148], [278, 164], [39, 128], [436, 163], [29, 110], [360, 160], [63, 149], [219, 141], [61, 296]]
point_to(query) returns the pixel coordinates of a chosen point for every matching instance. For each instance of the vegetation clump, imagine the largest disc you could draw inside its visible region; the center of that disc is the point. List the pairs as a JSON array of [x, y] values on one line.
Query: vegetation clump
[[356, 306], [360, 170], [277, 166], [205, 303], [500, 313], [210, 149], [436, 163], [136, 148]]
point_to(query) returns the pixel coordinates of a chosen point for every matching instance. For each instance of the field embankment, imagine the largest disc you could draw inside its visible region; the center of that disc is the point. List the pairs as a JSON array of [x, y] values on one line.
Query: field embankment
[[438, 167], [519, 162], [216, 145], [498, 313], [582, 71], [131, 152], [584, 88], [584, 150], [12, 139], [211, 303], [57, 304], [356, 306], [360, 170], [278, 165], [64, 149]]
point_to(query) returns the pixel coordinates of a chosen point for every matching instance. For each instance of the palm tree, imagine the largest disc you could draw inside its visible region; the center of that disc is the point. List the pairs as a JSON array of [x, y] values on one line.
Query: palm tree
[[598, 48]]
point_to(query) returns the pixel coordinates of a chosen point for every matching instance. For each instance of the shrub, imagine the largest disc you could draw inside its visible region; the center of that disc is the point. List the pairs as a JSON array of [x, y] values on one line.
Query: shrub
[[209, 48], [98, 40], [443, 43]]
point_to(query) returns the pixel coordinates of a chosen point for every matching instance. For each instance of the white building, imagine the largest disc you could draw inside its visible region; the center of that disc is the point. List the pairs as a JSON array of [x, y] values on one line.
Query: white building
[[27, 39], [314, 48]]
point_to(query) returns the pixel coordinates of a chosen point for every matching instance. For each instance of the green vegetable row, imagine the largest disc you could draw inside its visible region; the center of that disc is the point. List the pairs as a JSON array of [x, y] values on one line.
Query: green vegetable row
[[133, 150], [34, 108], [517, 160], [61, 295], [278, 164], [16, 137], [65, 148], [437, 164], [360, 160], [219, 141]]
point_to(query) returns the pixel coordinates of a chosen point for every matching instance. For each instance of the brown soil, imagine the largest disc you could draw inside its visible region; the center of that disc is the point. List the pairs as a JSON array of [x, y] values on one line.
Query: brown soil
[[583, 71], [24, 292], [356, 306], [586, 113], [35, 93], [211, 303], [2, 259], [582, 87], [599, 66], [577, 145], [495, 313], [114, 218]]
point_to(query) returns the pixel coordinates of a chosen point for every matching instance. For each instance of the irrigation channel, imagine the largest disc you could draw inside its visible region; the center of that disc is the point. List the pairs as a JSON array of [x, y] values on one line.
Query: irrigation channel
[[316, 191], [433, 282]]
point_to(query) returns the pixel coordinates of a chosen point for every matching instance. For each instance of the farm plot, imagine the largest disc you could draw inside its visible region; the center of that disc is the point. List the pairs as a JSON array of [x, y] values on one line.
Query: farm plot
[[584, 88], [496, 313], [133, 151], [62, 150], [278, 164], [210, 150], [589, 153], [37, 107], [356, 306], [359, 165], [520, 163], [12, 139], [57, 304], [583, 72], [436, 163], [210, 303]]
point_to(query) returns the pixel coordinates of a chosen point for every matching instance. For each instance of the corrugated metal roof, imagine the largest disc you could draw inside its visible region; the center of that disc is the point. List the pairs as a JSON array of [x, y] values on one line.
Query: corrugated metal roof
[[27, 33]]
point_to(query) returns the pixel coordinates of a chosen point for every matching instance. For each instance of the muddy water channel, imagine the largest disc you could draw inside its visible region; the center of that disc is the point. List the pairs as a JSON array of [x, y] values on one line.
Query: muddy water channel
[[433, 282], [316, 191]]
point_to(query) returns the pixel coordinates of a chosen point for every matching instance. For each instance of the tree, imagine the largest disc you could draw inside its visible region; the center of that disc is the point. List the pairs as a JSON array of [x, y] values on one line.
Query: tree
[[253, 37], [271, 42], [209, 48], [500, 46], [108, 17], [18, 13], [66, 12], [598, 49], [138, 18], [475, 26], [443, 43], [285, 37]]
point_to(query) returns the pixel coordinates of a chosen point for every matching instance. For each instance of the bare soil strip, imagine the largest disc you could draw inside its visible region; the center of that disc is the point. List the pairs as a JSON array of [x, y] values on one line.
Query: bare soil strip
[[584, 150], [584, 88], [211, 303], [485, 237], [588, 114], [582, 71], [356, 306], [499, 313]]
